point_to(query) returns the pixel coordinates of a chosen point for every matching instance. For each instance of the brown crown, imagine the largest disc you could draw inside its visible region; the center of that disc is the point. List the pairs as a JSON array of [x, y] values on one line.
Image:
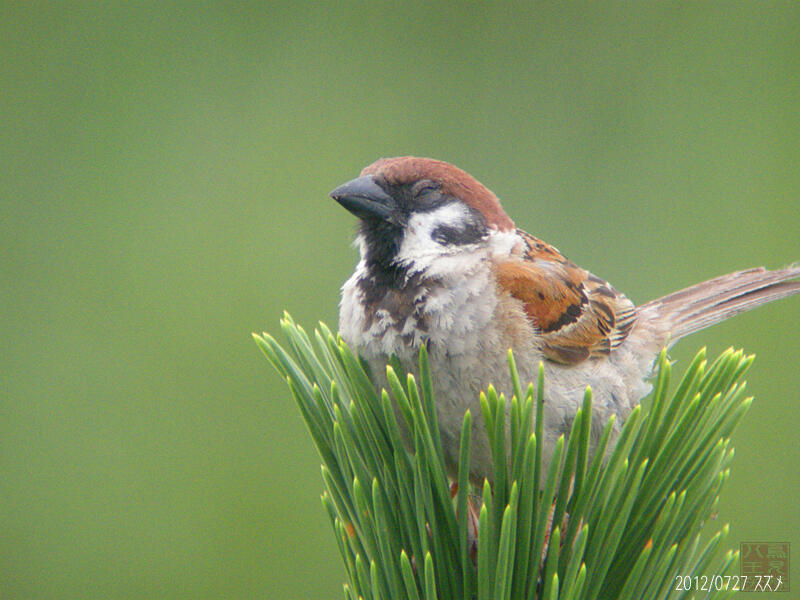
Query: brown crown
[[455, 182]]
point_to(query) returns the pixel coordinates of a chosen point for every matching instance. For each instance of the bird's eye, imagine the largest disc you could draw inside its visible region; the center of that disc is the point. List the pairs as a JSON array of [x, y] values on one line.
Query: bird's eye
[[427, 195], [425, 187]]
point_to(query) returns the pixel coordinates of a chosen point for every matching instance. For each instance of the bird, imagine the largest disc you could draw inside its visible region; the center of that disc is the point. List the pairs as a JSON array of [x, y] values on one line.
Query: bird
[[442, 265]]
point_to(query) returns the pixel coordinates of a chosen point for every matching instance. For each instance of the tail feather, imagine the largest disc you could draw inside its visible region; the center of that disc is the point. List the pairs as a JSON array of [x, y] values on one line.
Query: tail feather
[[715, 300]]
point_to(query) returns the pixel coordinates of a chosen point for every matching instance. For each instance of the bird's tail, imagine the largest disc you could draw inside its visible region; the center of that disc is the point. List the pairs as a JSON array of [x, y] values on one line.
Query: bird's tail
[[715, 300]]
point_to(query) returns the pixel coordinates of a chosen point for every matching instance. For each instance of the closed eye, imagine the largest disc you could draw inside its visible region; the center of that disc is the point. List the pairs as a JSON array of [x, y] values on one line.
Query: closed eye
[[427, 196], [425, 186]]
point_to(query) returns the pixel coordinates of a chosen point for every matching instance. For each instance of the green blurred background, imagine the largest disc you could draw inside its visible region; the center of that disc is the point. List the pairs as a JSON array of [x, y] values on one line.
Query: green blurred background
[[164, 173]]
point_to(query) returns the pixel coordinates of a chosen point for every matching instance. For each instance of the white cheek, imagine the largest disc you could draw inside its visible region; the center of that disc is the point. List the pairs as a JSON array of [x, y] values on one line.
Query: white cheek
[[418, 251], [417, 243]]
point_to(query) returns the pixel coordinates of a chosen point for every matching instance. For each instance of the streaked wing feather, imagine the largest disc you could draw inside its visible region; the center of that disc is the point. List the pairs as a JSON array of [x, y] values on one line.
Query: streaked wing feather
[[578, 315]]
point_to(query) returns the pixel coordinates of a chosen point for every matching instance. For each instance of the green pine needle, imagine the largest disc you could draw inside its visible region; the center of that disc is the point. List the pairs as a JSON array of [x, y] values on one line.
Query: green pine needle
[[619, 525]]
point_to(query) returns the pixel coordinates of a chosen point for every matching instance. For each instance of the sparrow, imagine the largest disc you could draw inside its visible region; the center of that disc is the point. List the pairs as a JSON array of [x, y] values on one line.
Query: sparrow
[[443, 265]]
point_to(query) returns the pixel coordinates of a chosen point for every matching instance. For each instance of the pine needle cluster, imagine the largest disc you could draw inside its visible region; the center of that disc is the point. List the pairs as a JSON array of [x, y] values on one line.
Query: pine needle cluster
[[619, 523]]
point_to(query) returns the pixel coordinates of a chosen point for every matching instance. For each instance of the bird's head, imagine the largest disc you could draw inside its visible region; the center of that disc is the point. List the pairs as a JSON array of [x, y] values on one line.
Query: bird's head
[[414, 212]]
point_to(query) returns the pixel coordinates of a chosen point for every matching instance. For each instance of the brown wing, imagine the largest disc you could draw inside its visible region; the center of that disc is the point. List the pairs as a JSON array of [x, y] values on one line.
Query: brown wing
[[578, 315]]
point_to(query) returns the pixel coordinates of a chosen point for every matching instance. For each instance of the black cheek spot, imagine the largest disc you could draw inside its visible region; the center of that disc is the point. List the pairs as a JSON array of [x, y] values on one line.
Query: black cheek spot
[[458, 236]]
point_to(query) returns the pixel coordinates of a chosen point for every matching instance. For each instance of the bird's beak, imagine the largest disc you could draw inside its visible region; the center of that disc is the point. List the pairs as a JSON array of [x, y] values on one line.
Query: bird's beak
[[365, 199]]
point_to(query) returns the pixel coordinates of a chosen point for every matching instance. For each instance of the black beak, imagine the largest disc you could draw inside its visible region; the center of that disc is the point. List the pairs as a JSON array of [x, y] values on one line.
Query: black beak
[[365, 199]]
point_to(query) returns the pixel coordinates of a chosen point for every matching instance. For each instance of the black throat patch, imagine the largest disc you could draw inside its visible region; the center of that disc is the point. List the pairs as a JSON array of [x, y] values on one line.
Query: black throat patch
[[387, 288], [382, 241]]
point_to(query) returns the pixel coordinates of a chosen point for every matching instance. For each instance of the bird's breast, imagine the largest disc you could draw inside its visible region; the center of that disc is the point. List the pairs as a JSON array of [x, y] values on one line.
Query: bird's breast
[[448, 313]]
